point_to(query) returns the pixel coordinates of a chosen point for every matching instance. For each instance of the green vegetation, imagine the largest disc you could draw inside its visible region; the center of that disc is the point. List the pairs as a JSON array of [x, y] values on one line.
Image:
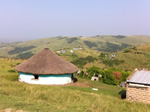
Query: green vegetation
[[108, 76], [21, 96], [111, 62], [25, 55], [90, 44], [113, 47], [127, 51], [93, 70], [113, 67], [70, 40], [139, 57], [17, 50], [119, 36], [104, 43], [80, 62]]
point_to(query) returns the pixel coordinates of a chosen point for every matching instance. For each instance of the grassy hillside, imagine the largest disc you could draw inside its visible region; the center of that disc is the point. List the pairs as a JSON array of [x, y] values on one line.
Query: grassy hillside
[[25, 97], [98, 43], [127, 59]]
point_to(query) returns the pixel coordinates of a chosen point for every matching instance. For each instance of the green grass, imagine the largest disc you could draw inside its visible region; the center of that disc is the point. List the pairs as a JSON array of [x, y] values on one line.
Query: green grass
[[95, 44], [101, 43], [39, 98]]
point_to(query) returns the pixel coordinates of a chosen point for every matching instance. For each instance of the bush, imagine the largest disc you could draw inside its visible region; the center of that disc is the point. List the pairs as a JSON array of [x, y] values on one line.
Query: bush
[[103, 55], [134, 48], [74, 56], [20, 49], [108, 78], [24, 55], [125, 75], [11, 71], [114, 77], [80, 62], [90, 44], [110, 62], [93, 70], [117, 75], [127, 51]]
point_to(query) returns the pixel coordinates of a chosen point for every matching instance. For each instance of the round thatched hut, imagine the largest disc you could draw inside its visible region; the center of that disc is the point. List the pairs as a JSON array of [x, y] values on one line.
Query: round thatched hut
[[46, 67]]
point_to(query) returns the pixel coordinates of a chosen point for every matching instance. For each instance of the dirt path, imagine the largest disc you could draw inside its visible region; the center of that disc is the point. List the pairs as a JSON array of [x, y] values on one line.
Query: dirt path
[[78, 84], [11, 110]]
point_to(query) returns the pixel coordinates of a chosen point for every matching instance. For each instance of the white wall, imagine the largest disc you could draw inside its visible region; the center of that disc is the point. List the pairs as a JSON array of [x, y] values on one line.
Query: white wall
[[45, 79]]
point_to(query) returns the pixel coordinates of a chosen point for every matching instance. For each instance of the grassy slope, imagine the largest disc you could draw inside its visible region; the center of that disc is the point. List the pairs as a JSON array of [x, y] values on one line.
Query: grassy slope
[[16, 95], [103, 43], [131, 60]]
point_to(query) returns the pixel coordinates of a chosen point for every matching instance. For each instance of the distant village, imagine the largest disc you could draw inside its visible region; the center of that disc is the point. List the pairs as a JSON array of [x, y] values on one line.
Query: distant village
[[71, 51]]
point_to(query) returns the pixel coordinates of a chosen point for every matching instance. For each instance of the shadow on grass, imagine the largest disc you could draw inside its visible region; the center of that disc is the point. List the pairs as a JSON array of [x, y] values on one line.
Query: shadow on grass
[[123, 94], [75, 80], [10, 77], [11, 71]]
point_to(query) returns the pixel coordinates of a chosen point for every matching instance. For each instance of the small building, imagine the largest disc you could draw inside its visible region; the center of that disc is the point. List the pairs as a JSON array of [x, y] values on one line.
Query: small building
[[63, 51], [123, 84], [47, 68], [78, 48], [58, 52], [71, 51], [95, 78], [112, 56], [138, 86]]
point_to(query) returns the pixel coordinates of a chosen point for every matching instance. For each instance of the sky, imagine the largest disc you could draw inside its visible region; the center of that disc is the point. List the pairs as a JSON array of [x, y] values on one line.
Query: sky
[[22, 20]]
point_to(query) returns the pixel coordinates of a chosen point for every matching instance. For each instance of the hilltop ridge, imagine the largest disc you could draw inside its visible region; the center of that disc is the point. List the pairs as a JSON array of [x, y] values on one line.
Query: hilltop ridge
[[102, 43]]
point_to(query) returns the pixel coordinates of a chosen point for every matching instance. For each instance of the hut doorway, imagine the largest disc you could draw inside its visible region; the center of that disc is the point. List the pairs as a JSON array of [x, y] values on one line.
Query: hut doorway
[[36, 77]]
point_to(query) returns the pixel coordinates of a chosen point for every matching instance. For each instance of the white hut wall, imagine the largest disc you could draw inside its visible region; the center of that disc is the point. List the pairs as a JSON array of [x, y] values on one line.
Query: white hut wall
[[45, 79]]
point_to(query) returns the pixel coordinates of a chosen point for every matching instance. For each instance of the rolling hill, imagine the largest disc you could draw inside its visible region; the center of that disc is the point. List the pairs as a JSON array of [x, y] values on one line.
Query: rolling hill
[[97, 51], [127, 59], [22, 97], [98, 43]]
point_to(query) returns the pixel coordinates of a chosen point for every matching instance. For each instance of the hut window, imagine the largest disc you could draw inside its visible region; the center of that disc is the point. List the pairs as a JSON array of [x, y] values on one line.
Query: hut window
[[36, 76]]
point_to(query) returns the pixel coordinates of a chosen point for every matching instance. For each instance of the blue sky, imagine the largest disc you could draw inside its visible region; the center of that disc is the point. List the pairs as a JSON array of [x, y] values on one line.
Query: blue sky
[[31, 19]]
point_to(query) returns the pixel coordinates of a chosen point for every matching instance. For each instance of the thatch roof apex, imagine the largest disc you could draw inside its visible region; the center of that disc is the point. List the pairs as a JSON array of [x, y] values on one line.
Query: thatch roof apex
[[46, 62]]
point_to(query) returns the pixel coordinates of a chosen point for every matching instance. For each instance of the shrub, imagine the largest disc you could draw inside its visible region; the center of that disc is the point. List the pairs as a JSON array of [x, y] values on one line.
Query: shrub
[[93, 70], [18, 63], [74, 56], [127, 51], [134, 48], [108, 78], [80, 62], [103, 55], [110, 62], [125, 75], [90, 44], [71, 40], [24, 55], [113, 76], [11, 71], [20, 49], [117, 75]]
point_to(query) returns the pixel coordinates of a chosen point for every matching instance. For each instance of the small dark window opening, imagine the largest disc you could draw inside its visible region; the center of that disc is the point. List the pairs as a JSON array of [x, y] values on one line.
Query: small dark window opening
[[96, 75], [36, 76]]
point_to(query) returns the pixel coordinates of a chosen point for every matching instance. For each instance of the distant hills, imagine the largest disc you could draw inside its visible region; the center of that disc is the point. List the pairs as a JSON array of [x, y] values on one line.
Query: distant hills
[[127, 59], [99, 43]]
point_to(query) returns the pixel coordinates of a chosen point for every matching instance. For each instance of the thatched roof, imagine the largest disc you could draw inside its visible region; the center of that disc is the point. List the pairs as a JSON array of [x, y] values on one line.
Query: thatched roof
[[46, 62]]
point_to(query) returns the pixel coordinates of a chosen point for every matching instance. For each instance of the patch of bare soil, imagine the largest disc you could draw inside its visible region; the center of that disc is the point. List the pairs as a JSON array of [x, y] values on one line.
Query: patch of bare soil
[[11, 110], [78, 84]]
